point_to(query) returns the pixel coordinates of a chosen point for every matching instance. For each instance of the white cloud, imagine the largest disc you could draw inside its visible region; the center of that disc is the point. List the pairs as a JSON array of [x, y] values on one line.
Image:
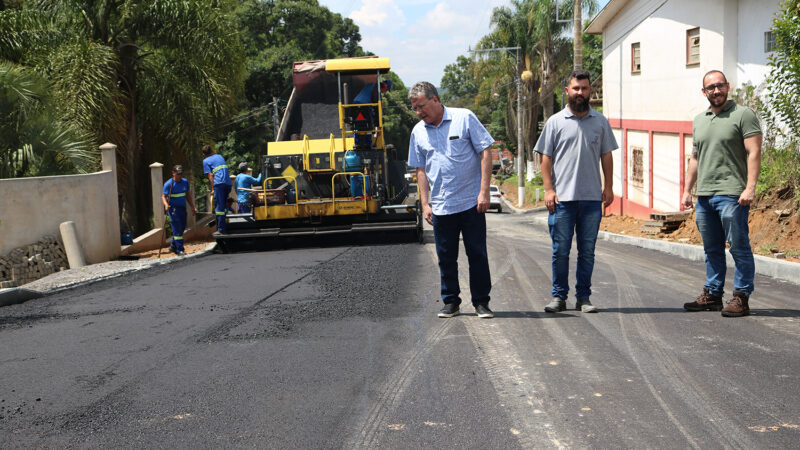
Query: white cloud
[[377, 13]]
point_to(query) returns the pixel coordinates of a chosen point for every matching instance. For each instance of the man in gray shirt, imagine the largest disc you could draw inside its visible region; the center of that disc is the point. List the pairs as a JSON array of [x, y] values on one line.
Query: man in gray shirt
[[573, 144]]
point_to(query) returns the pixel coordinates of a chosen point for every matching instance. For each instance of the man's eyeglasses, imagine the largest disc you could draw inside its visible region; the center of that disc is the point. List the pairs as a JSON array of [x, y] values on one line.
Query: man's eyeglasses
[[419, 108], [712, 87]]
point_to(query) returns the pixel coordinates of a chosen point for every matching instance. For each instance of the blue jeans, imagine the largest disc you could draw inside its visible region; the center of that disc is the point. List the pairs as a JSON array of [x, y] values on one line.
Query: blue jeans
[[583, 219], [720, 218], [177, 221], [221, 192], [471, 225]]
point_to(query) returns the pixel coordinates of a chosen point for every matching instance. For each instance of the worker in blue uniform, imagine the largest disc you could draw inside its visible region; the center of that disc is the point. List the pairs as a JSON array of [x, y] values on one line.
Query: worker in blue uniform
[[242, 182], [217, 170], [175, 196], [368, 94]]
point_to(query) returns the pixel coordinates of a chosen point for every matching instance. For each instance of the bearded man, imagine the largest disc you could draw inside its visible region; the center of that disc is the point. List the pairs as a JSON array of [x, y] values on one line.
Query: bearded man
[[574, 144]]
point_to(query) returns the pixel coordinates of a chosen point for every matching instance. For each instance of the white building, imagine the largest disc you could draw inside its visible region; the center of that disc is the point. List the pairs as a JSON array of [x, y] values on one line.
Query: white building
[[655, 53]]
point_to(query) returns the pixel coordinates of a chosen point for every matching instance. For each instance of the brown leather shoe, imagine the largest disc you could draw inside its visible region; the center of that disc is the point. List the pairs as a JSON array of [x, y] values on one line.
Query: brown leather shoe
[[705, 302], [738, 306]]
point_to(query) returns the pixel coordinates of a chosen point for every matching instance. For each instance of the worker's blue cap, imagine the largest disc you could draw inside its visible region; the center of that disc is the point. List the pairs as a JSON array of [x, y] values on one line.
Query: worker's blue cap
[[177, 168], [388, 85]]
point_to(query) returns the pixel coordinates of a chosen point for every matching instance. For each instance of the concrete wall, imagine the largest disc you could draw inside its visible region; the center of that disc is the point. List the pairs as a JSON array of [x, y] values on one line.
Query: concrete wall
[[33, 207]]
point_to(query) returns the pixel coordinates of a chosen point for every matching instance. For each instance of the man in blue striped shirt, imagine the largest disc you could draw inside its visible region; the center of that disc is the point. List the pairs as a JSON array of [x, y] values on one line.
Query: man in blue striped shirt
[[450, 149]]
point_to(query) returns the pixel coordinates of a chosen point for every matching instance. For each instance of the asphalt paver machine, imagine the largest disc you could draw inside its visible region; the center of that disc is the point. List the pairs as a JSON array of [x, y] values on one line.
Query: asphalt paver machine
[[329, 170]]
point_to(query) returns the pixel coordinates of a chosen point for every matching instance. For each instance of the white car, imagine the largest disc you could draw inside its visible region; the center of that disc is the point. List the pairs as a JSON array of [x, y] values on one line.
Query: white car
[[494, 198]]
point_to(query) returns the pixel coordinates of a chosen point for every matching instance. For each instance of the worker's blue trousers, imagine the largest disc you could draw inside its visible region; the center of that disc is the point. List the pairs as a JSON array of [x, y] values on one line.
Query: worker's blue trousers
[[177, 219], [221, 192]]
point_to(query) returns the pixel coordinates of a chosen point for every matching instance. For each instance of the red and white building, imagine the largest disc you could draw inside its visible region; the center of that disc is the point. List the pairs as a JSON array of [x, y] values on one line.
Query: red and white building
[[655, 53]]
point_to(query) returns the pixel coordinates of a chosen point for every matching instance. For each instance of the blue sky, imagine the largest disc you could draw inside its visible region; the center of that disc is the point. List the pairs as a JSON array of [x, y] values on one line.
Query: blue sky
[[420, 37]]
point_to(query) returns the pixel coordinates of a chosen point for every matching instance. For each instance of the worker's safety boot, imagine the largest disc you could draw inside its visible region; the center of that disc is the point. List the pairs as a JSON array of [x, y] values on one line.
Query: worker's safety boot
[[705, 302], [738, 306]]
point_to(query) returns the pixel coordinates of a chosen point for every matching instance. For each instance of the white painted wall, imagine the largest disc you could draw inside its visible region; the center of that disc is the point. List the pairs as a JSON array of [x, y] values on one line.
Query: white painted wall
[[755, 18], [666, 88], [33, 207], [666, 163]]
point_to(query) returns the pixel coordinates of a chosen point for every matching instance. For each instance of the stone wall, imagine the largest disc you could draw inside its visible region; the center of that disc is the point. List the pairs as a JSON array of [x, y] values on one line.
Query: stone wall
[[25, 264]]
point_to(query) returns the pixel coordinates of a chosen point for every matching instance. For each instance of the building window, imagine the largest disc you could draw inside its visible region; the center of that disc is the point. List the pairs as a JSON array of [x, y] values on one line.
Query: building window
[[637, 166], [636, 62], [693, 46], [769, 42]]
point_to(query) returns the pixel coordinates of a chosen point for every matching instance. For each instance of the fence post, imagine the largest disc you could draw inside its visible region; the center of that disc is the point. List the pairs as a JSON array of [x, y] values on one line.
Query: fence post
[[156, 187], [108, 155]]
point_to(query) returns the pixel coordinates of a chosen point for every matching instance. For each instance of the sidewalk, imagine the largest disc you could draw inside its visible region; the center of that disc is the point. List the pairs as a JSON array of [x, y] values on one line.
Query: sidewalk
[[72, 278], [775, 268]]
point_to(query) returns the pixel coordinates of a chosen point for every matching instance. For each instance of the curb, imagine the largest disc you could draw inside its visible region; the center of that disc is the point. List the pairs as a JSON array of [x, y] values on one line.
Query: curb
[[516, 210], [13, 296], [775, 268]]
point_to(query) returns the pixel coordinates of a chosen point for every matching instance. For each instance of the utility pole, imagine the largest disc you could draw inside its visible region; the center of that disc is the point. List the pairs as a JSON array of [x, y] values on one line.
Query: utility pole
[[275, 118], [577, 43], [520, 146]]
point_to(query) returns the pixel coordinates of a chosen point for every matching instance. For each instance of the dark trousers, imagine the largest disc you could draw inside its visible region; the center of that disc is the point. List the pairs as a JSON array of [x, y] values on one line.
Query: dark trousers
[[471, 225], [244, 207], [221, 192], [177, 220]]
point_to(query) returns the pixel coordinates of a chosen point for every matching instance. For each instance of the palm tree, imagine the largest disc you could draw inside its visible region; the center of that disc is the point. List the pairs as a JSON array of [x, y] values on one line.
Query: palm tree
[[32, 141], [162, 72], [533, 26]]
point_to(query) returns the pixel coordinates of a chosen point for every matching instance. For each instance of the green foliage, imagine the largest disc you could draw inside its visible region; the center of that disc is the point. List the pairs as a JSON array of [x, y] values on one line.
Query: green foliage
[[593, 53], [275, 34], [155, 77], [780, 165], [458, 83], [33, 142], [784, 80]]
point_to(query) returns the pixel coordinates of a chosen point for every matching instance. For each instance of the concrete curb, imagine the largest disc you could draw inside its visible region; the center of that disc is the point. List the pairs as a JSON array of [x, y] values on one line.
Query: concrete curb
[[18, 295], [13, 296], [775, 268], [158, 262], [516, 210]]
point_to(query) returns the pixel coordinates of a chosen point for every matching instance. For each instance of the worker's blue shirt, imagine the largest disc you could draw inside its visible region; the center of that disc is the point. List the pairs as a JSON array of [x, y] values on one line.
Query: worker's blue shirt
[[216, 164], [450, 153], [244, 180], [365, 95], [179, 189]]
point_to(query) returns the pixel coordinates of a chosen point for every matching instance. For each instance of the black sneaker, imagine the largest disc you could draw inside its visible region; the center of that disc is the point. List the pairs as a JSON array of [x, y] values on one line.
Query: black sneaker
[[449, 310], [483, 311]]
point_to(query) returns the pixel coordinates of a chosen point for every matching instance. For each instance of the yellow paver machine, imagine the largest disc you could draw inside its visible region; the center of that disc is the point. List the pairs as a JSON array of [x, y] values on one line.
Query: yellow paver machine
[[329, 170]]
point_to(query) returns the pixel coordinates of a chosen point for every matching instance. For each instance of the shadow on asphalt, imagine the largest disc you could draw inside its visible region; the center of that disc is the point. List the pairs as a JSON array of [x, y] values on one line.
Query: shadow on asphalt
[[775, 312], [528, 315], [642, 310]]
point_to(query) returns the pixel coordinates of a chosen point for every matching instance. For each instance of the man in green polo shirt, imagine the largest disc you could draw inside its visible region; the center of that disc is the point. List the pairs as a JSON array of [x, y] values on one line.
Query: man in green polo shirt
[[725, 163]]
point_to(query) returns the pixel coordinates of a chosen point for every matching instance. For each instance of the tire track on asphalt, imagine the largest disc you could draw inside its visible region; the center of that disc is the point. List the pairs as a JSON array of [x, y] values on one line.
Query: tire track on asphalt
[[392, 391], [517, 385], [671, 371]]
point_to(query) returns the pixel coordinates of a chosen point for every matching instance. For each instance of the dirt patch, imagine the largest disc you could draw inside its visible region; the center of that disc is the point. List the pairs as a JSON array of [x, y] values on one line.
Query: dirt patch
[[189, 248], [774, 227]]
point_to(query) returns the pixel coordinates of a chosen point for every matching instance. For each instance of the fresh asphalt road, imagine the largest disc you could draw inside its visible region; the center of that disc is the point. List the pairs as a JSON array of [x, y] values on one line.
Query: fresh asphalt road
[[340, 347]]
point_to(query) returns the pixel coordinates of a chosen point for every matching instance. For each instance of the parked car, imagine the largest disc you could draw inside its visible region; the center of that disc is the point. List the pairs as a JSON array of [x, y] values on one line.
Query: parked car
[[494, 198]]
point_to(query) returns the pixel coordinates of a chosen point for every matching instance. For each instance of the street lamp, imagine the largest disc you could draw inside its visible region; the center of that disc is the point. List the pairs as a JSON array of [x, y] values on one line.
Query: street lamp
[[520, 147]]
